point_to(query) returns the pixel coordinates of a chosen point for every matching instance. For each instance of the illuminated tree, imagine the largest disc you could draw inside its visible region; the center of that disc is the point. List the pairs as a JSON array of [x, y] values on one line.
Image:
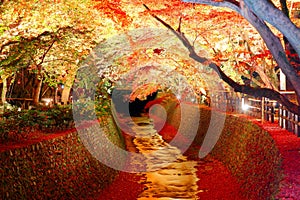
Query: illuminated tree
[[50, 39], [47, 39], [257, 14]]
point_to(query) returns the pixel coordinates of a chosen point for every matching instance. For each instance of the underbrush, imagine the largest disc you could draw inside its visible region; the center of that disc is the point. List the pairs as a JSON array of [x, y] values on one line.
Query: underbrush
[[18, 125]]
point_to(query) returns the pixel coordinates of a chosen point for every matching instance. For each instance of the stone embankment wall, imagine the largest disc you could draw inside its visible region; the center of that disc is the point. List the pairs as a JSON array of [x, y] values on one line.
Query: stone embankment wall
[[244, 148], [57, 168]]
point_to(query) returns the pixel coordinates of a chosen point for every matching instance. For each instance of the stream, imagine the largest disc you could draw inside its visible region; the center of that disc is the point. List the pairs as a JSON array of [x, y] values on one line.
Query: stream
[[169, 175]]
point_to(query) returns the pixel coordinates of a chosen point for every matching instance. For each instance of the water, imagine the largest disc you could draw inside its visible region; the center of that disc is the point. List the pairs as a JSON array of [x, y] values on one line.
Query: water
[[169, 175]]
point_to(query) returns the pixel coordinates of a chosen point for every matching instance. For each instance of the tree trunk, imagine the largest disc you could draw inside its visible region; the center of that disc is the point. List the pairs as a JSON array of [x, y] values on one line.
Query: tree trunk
[[264, 11], [267, 11], [37, 90], [4, 90], [65, 95], [291, 53], [3, 94], [55, 96], [67, 87], [284, 8], [38, 82]]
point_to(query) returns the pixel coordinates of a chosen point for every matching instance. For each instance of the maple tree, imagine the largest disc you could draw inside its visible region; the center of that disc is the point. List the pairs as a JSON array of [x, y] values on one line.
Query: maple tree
[[226, 45], [150, 54], [48, 39], [53, 47], [253, 13], [149, 60], [252, 51]]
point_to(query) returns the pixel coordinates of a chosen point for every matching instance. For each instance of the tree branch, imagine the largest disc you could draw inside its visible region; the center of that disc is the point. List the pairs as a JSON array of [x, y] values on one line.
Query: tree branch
[[43, 34], [272, 41], [256, 92], [266, 11], [274, 45], [47, 50], [232, 4], [25, 40]]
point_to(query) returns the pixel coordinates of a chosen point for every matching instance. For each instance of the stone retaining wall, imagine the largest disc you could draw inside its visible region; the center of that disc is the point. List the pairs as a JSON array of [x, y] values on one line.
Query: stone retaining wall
[[249, 152], [59, 168]]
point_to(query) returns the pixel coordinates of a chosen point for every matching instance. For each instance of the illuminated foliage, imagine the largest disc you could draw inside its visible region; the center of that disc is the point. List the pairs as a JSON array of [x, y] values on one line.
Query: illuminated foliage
[[256, 15], [239, 50], [47, 38], [51, 38]]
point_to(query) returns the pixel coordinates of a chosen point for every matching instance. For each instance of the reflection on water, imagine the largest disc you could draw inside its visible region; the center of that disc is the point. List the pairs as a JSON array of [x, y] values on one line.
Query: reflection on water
[[169, 174]]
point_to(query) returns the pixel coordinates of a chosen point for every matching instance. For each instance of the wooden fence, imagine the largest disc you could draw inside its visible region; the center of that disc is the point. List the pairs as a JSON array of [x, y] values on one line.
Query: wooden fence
[[225, 101], [261, 108], [252, 106], [270, 110], [289, 120]]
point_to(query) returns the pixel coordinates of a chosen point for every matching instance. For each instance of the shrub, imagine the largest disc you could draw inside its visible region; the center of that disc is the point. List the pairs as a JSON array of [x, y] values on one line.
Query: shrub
[[16, 125]]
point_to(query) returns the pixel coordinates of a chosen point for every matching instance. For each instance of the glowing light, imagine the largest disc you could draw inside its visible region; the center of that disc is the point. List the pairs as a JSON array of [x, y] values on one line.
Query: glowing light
[[47, 101], [245, 107], [202, 91]]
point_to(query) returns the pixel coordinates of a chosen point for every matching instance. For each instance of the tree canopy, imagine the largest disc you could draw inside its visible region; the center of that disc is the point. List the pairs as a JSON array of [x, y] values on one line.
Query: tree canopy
[[237, 41], [48, 39], [257, 16]]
